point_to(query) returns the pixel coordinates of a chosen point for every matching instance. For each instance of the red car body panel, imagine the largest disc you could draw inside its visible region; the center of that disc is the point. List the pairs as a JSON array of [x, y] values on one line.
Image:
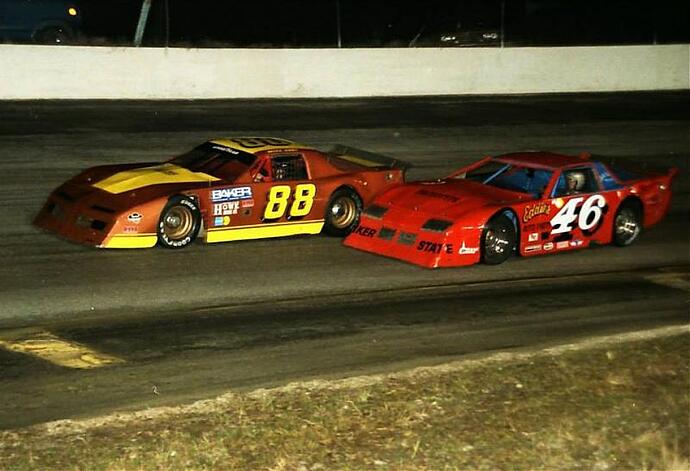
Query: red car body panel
[[119, 206], [545, 222]]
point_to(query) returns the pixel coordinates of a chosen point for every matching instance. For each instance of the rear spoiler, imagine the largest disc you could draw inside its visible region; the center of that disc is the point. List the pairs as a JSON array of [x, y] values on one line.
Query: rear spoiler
[[367, 159], [635, 168]]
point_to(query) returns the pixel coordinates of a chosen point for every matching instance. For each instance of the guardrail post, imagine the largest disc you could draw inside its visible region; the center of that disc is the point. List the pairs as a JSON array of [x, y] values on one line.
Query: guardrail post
[[141, 25]]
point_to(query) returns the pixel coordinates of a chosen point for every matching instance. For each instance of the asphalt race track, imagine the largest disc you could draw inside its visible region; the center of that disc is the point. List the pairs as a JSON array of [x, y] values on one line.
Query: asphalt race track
[[197, 322]]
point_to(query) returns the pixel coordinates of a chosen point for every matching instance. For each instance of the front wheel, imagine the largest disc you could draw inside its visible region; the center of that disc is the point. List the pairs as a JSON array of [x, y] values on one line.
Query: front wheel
[[342, 213], [498, 240], [627, 225], [179, 222]]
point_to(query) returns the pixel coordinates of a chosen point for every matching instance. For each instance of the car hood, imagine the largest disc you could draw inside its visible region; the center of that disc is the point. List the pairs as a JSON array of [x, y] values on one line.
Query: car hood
[[128, 179], [447, 198]]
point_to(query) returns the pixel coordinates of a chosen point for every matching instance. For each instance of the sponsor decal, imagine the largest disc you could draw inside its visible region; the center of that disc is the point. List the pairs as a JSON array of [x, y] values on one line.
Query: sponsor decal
[[221, 221], [548, 246], [247, 203], [533, 237], [130, 229], [135, 218], [562, 245], [365, 231], [220, 195], [438, 195], [226, 209], [465, 250], [576, 243], [434, 247], [534, 210], [229, 150], [533, 248], [254, 142]]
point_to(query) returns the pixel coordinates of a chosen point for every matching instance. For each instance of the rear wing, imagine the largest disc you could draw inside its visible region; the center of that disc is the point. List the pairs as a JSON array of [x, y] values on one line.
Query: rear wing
[[366, 159], [628, 169]]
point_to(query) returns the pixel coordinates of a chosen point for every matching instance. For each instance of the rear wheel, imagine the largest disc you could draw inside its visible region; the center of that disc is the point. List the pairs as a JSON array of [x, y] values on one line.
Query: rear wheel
[[179, 222], [498, 240], [627, 225], [342, 213]]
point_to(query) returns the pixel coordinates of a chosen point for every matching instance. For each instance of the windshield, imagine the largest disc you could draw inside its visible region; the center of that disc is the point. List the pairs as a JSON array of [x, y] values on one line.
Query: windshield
[[511, 177], [215, 160]]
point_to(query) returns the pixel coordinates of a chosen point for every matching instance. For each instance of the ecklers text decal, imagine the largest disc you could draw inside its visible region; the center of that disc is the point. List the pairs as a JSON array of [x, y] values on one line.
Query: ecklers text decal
[[236, 193], [534, 210]]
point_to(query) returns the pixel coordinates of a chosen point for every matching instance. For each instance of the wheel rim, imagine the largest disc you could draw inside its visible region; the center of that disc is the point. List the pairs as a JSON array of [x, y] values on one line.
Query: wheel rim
[[343, 212], [496, 243], [178, 222], [627, 226]]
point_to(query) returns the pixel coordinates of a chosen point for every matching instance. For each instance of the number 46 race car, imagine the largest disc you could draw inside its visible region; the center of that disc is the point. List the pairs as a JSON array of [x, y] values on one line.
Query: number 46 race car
[[235, 189], [529, 203]]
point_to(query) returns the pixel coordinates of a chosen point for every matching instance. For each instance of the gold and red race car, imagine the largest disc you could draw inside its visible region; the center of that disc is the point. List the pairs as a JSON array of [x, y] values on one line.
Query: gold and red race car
[[225, 189], [528, 203]]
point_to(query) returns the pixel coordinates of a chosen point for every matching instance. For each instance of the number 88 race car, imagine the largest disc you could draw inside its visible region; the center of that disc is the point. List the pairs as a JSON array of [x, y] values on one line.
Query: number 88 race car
[[530, 203], [235, 189]]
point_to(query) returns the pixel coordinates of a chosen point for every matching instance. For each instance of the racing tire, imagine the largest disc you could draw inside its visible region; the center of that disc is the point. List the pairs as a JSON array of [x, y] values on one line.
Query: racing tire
[[627, 224], [498, 240], [342, 213], [179, 223]]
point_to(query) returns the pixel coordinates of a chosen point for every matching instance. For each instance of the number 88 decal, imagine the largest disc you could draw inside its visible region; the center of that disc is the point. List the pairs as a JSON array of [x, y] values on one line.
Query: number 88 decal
[[590, 214], [278, 197]]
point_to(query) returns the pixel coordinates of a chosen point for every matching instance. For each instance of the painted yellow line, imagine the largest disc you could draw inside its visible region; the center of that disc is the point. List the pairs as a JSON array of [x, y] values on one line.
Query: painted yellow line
[[263, 231], [672, 280], [49, 347]]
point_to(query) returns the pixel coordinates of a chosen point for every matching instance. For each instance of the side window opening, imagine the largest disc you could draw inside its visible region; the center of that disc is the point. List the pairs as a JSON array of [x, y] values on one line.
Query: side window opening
[[576, 181], [288, 167]]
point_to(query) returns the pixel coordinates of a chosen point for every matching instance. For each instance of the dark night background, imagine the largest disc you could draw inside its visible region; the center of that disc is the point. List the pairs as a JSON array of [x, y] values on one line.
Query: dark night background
[[376, 23]]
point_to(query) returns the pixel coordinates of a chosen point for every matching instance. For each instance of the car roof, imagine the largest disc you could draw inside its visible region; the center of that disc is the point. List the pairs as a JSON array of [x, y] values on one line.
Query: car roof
[[545, 160], [256, 145]]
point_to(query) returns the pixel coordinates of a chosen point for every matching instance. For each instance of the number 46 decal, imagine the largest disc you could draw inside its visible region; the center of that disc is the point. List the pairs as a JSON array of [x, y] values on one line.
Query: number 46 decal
[[590, 214], [278, 201]]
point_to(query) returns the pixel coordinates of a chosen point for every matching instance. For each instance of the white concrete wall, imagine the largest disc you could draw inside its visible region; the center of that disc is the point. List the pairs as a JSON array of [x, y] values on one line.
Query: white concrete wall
[[49, 72]]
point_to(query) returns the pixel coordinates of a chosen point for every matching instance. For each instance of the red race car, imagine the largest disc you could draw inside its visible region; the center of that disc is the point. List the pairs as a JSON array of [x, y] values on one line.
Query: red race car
[[530, 203], [232, 189]]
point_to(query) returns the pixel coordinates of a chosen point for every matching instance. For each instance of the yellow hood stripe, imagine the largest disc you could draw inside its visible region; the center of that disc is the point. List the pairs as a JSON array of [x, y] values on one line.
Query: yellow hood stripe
[[130, 180]]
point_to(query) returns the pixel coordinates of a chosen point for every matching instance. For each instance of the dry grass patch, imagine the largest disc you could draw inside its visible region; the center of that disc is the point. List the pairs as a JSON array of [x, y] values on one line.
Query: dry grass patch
[[612, 406]]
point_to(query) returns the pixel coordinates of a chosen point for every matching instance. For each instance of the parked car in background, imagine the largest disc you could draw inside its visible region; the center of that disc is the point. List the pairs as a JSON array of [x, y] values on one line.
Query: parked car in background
[[458, 34], [39, 21]]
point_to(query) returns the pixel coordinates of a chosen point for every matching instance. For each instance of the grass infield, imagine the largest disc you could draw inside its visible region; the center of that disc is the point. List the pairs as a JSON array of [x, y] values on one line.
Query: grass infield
[[619, 402]]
